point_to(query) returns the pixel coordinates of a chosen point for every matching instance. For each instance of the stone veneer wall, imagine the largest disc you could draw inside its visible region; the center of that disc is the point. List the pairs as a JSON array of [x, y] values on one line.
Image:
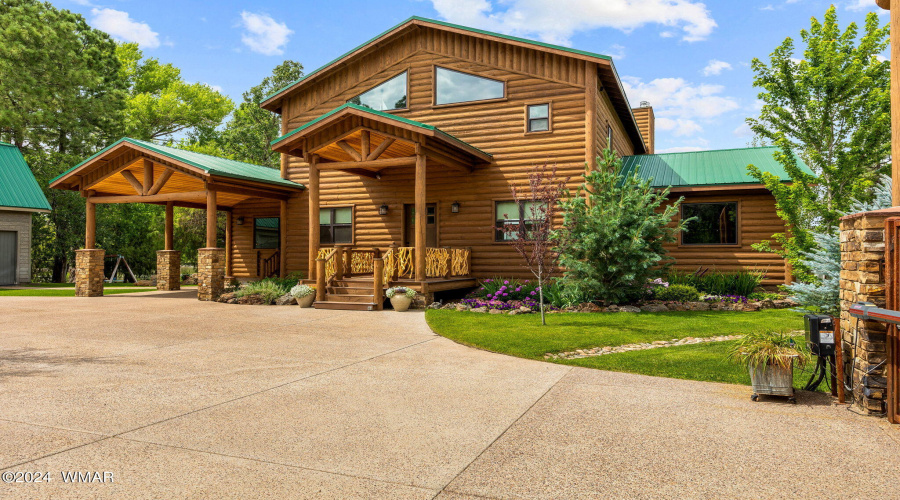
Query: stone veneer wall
[[210, 273], [863, 280], [168, 270], [89, 272]]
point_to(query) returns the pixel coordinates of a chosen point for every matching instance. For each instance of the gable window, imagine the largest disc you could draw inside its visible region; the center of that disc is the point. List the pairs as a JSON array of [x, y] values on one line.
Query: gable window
[[538, 118], [335, 225], [510, 213], [385, 97], [609, 137], [265, 232], [715, 223], [453, 86]]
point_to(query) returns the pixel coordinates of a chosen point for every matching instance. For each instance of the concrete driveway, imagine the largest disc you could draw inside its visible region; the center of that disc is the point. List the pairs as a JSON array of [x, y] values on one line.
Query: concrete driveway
[[182, 399]]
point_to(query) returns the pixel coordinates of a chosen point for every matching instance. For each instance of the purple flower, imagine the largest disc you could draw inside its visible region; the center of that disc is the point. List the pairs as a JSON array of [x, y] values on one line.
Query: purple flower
[[518, 289], [533, 292], [506, 295], [506, 282]]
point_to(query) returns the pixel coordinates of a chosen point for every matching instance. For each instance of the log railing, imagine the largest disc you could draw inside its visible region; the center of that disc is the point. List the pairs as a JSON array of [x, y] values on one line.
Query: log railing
[[269, 266], [398, 262]]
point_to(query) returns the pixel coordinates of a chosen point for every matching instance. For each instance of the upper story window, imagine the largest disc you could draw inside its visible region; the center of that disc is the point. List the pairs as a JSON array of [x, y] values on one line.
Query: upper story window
[[715, 223], [609, 137], [265, 232], [385, 97], [453, 86], [538, 118]]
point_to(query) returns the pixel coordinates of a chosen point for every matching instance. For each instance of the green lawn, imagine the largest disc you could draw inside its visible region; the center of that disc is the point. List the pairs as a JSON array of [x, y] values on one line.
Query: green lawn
[[523, 336], [65, 292]]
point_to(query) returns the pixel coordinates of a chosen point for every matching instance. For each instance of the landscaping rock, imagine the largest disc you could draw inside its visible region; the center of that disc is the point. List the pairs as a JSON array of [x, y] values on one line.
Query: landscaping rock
[[654, 308], [767, 304], [678, 306], [495, 311], [629, 309], [698, 306], [143, 283], [434, 305], [190, 280], [751, 306], [612, 309], [600, 351], [251, 300], [524, 310], [783, 304], [286, 300], [514, 312], [450, 306], [227, 297], [588, 307], [462, 307], [481, 309]]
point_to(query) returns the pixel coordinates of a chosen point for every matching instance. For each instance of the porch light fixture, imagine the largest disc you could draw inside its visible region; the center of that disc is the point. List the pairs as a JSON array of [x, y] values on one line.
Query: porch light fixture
[[383, 209], [454, 207], [240, 221]]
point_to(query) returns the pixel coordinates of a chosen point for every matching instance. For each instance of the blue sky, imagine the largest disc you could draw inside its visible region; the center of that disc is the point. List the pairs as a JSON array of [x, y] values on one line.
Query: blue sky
[[689, 58]]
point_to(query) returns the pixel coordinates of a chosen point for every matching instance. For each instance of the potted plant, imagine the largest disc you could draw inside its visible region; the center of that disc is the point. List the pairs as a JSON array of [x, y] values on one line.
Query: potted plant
[[304, 294], [770, 357], [401, 297]]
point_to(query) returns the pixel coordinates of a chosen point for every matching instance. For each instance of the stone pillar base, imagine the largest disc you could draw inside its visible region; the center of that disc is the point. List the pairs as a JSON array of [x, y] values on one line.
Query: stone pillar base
[[862, 280], [210, 273], [89, 272], [168, 270]]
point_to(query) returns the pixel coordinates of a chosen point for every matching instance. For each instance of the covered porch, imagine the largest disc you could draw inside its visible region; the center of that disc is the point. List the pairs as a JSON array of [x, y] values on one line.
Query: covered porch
[[364, 142], [133, 171]]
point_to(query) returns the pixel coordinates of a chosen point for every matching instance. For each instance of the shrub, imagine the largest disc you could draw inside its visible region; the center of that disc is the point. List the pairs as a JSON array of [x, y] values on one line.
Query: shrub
[[677, 293], [613, 233], [741, 283], [300, 291], [409, 292], [767, 348], [268, 289]]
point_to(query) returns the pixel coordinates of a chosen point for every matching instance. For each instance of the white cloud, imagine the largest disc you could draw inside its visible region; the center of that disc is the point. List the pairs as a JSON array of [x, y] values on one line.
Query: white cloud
[[557, 21], [767, 7], [861, 5], [715, 67], [743, 130], [264, 34], [882, 58], [120, 25], [680, 127], [616, 51], [217, 88], [676, 98]]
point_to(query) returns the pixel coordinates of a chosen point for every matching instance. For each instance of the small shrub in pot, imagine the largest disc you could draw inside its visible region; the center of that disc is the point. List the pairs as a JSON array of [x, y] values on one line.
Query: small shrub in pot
[[401, 297], [304, 294]]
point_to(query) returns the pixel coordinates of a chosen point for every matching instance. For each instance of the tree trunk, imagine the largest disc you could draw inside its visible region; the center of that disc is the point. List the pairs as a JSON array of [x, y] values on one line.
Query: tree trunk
[[541, 294]]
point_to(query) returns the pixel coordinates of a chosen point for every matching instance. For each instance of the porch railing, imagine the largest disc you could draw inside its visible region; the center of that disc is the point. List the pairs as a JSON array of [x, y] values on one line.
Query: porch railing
[[399, 262], [269, 266]]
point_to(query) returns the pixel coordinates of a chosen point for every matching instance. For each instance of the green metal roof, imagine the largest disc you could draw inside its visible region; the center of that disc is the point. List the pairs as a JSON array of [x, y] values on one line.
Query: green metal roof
[[449, 25], [706, 168], [382, 114], [211, 164], [18, 187]]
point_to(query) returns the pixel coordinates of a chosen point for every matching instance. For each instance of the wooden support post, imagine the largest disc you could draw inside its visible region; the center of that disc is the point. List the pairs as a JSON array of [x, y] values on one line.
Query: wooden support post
[[148, 177], [338, 262], [282, 240], [229, 235], [211, 216], [170, 225], [90, 225], [421, 214], [313, 187], [895, 98], [320, 280], [364, 144], [378, 283]]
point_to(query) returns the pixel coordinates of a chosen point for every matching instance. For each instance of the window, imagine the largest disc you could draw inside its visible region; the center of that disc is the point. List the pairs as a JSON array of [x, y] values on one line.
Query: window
[[609, 137], [509, 213], [715, 223], [538, 118], [335, 225], [265, 232], [453, 86], [385, 97]]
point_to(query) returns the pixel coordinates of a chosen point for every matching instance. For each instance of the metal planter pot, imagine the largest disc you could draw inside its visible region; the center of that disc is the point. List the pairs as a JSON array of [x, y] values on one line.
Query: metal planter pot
[[773, 380]]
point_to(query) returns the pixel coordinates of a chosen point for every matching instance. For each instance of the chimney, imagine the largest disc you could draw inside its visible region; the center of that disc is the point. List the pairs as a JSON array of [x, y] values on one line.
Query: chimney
[[646, 124]]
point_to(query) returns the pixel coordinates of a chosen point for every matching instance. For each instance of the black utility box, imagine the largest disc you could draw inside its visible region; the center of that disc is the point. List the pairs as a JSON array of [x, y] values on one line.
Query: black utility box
[[820, 334]]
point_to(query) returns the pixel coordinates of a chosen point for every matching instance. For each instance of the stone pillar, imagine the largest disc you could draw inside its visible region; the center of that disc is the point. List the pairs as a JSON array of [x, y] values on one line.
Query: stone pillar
[[168, 270], [863, 280], [89, 272], [210, 273]]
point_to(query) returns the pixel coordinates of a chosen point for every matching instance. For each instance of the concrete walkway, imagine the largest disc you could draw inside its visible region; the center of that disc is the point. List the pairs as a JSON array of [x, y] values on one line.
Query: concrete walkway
[[183, 399]]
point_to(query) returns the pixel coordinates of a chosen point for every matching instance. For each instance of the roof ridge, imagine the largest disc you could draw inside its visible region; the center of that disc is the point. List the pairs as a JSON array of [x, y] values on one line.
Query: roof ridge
[[708, 151], [8, 144]]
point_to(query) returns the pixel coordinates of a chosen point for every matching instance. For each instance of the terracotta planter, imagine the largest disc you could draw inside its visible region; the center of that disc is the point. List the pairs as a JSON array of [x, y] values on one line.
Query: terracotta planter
[[401, 302], [307, 300]]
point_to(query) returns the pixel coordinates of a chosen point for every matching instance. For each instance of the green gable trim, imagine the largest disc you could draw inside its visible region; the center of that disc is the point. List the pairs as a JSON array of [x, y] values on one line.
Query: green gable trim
[[440, 23], [18, 187], [212, 165], [407, 121], [706, 168]]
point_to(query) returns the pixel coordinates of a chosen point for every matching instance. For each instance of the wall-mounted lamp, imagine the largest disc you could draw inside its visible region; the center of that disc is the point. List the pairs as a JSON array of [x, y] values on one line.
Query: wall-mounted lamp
[[454, 207], [383, 209], [240, 221]]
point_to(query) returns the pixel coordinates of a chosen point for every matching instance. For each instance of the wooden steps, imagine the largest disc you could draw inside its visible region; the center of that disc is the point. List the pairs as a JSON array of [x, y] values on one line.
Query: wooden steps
[[349, 294]]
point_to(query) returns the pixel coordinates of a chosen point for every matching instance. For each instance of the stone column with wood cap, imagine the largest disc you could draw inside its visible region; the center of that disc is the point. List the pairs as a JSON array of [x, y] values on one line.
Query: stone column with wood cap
[[89, 272], [168, 270], [863, 280]]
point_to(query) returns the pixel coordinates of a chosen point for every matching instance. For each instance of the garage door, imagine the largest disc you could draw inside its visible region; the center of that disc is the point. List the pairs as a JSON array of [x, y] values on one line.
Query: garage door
[[8, 257]]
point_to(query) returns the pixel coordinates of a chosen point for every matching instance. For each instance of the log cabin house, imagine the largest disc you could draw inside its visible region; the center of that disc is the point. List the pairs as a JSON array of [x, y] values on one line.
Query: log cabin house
[[397, 160]]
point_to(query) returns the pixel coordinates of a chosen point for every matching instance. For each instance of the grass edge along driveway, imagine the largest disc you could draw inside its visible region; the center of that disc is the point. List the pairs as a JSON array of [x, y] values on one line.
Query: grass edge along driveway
[[64, 292], [524, 337]]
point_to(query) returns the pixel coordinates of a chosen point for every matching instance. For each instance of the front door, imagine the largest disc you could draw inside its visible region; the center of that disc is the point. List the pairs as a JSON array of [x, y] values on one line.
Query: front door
[[409, 231], [8, 250]]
